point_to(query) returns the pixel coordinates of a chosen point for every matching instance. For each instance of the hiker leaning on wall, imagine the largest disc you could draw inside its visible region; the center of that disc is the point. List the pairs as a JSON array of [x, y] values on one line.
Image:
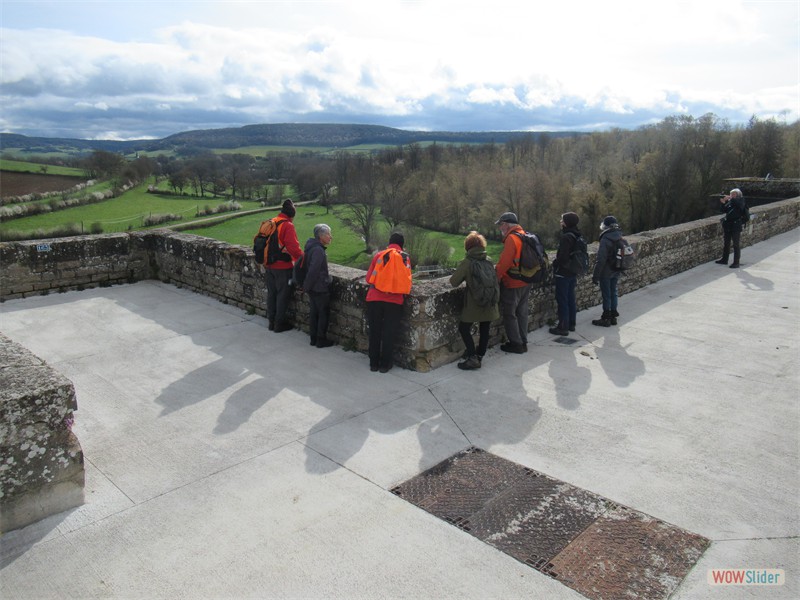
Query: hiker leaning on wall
[[279, 273], [384, 306], [514, 293]]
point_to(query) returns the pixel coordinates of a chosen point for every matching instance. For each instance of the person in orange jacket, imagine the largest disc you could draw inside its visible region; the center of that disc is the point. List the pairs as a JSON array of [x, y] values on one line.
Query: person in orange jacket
[[384, 312], [279, 273], [514, 293]]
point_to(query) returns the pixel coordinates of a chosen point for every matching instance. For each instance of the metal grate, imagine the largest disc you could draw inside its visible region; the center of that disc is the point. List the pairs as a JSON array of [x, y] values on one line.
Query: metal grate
[[589, 543]]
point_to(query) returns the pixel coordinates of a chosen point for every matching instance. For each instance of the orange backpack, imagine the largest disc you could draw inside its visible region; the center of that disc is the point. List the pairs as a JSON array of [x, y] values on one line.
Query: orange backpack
[[392, 273], [266, 247]]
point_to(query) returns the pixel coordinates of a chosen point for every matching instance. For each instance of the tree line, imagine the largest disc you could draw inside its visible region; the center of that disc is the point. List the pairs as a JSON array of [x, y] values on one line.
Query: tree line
[[655, 176]]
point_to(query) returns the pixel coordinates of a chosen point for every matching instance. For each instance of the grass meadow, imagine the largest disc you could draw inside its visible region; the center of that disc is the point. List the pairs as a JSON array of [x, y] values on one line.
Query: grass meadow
[[129, 211]]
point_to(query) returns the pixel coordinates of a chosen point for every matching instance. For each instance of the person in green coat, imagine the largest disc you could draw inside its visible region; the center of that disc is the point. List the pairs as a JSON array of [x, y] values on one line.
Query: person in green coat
[[473, 312]]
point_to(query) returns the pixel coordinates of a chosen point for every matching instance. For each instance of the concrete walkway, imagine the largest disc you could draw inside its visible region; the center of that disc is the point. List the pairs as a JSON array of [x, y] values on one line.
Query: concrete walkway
[[226, 461]]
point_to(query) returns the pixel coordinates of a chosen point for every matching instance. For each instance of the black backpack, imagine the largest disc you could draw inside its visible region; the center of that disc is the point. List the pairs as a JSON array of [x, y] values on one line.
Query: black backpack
[[299, 271], [533, 261], [579, 257], [483, 284]]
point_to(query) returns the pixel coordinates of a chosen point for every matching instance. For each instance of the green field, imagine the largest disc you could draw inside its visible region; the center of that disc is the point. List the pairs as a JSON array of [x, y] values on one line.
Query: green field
[[125, 212], [347, 248], [30, 167]]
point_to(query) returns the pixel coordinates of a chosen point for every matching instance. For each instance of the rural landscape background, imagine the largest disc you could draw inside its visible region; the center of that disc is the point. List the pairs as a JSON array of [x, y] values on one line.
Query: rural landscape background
[[368, 180]]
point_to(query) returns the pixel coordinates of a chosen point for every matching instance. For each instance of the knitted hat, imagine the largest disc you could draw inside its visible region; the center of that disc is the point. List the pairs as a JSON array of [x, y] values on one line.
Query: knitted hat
[[397, 238], [570, 220], [288, 208], [609, 222]]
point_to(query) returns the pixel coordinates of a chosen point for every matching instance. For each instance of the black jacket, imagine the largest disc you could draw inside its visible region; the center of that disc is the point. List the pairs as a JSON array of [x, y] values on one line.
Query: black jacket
[[734, 211], [317, 278], [565, 247]]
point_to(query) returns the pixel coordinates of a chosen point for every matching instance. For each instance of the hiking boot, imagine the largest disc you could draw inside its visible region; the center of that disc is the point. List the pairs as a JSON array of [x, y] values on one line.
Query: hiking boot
[[313, 341], [283, 326], [473, 362], [271, 326], [324, 343], [572, 327], [612, 316], [603, 321], [734, 266], [721, 261], [513, 348], [558, 331], [524, 347]]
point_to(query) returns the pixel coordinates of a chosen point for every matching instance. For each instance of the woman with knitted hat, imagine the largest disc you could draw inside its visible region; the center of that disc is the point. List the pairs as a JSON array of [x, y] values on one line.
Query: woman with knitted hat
[[565, 279], [604, 275]]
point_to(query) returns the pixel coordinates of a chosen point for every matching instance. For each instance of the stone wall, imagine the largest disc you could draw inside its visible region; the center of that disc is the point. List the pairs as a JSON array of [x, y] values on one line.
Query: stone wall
[[429, 336], [41, 470]]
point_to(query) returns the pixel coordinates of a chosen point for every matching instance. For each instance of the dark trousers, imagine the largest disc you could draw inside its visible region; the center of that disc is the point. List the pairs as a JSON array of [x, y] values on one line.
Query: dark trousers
[[729, 236], [514, 306], [608, 287], [320, 305], [565, 299], [278, 292], [383, 319], [465, 329]]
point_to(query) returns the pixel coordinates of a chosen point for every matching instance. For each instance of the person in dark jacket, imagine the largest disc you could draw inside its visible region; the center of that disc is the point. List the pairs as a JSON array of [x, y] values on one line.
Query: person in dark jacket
[[733, 205], [472, 312], [317, 285], [565, 279], [603, 274], [279, 273]]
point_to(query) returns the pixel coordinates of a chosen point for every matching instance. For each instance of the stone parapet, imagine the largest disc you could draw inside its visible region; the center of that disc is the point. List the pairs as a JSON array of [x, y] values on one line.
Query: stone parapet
[[428, 337], [41, 470]]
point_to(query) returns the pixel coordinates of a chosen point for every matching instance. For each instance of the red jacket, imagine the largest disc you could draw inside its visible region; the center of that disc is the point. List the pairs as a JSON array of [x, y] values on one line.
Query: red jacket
[[374, 294], [509, 257], [287, 239]]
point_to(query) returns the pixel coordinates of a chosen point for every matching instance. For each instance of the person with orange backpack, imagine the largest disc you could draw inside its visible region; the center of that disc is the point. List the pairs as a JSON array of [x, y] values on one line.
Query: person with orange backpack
[[389, 276], [279, 269]]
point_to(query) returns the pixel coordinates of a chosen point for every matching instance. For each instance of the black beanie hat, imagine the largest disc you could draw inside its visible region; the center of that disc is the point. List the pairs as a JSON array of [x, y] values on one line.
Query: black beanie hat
[[397, 238], [570, 219], [288, 208]]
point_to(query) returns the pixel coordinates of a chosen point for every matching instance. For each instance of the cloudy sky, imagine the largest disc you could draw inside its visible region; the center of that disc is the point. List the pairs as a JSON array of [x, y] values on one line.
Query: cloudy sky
[[120, 69]]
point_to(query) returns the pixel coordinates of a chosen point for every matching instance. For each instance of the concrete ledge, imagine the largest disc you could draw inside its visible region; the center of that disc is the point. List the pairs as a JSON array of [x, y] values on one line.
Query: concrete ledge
[[42, 471]]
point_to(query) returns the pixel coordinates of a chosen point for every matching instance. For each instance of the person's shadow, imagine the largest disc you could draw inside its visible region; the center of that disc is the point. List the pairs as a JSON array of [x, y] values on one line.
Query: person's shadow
[[621, 367], [570, 380]]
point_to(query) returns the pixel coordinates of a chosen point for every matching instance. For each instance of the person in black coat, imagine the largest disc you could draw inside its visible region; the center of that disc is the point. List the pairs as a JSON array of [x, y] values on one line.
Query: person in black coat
[[317, 285], [565, 278], [734, 207], [603, 274]]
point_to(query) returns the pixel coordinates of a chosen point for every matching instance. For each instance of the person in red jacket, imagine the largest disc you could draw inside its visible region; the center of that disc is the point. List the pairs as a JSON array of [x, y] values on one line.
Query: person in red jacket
[[514, 293], [384, 311], [279, 273]]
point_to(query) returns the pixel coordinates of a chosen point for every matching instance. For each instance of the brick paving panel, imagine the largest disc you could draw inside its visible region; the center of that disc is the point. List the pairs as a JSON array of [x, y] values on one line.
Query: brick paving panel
[[627, 554], [536, 518], [459, 486]]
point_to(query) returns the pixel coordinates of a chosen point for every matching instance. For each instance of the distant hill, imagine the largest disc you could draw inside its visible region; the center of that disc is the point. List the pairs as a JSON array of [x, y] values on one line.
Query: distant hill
[[279, 134]]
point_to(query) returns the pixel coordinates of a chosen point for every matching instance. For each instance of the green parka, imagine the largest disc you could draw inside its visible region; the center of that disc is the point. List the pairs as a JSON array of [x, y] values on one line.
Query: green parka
[[472, 313]]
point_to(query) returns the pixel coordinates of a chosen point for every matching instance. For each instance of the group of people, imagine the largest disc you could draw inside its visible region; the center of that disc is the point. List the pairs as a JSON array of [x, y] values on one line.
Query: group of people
[[384, 309], [515, 292]]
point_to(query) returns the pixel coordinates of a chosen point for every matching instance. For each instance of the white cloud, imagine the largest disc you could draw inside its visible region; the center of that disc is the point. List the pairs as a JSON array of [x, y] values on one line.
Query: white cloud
[[410, 62]]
